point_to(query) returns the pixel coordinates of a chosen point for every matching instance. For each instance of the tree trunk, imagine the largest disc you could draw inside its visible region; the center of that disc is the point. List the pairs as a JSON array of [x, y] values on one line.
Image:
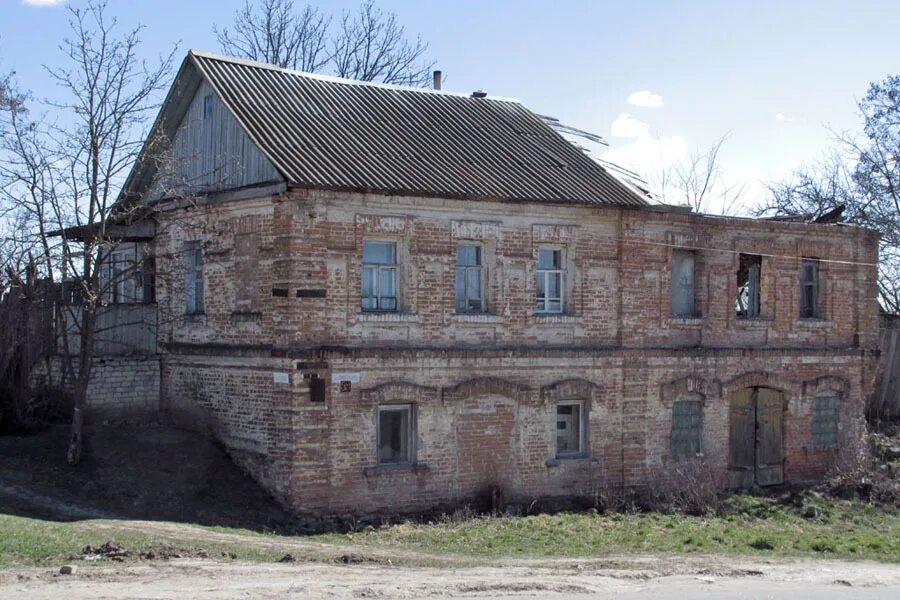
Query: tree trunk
[[74, 453]]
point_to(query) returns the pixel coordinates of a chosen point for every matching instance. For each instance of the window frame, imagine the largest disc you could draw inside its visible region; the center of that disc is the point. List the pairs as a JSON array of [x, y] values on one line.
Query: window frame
[[116, 266], [693, 313], [378, 268], [208, 106], [194, 278], [753, 310], [813, 312], [466, 269], [582, 429], [411, 435], [816, 423], [542, 303], [695, 400]]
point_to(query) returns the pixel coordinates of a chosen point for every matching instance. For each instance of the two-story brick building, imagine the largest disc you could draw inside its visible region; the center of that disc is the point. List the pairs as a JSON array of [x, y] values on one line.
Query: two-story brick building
[[385, 299]]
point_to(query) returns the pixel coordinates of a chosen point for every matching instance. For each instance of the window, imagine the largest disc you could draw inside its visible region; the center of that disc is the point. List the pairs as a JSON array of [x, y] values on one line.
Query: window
[[395, 434], [683, 283], [207, 106], [825, 420], [809, 288], [118, 277], [549, 283], [747, 303], [569, 428], [469, 288], [687, 429], [379, 276], [193, 279]]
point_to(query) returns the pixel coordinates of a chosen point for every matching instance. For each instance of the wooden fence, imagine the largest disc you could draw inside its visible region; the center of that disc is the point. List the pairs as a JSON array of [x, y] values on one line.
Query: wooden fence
[[885, 403]]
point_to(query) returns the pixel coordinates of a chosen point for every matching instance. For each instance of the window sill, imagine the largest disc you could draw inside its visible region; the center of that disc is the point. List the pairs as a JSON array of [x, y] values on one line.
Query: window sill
[[755, 323], [387, 317], [396, 469], [194, 319], [572, 459], [813, 323], [551, 318], [684, 321], [476, 318]]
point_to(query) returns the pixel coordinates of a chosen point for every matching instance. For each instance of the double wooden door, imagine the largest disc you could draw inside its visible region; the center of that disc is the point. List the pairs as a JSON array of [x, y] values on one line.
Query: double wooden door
[[757, 438]]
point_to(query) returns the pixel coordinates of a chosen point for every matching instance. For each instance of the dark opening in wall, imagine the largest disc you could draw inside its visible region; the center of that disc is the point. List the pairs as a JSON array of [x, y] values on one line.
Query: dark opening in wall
[[747, 303]]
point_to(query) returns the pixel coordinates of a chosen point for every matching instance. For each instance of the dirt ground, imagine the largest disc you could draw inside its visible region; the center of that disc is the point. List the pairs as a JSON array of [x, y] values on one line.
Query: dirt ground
[[632, 577]]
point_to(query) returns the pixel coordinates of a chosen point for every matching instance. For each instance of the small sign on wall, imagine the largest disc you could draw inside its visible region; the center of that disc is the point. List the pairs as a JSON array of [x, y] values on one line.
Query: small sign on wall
[[281, 378]]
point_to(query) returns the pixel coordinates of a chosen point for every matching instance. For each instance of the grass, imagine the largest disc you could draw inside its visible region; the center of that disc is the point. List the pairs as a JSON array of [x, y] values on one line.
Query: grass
[[749, 526]]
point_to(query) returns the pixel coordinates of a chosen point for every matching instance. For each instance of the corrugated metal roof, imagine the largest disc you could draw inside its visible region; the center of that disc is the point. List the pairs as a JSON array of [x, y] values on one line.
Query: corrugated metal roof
[[342, 134]]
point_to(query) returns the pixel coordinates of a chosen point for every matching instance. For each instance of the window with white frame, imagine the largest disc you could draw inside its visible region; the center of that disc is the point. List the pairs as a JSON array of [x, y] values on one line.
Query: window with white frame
[[396, 434], [193, 278], [469, 279], [549, 281], [569, 428], [687, 428], [825, 420], [379, 277]]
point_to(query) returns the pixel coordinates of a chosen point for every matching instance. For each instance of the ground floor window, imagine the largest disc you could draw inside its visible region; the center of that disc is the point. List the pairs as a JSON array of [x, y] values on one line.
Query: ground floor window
[[569, 428], [825, 420], [395, 434], [687, 428]]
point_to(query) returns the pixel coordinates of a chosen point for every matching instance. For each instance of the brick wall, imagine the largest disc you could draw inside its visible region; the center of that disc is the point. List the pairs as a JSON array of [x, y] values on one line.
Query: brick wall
[[485, 386]]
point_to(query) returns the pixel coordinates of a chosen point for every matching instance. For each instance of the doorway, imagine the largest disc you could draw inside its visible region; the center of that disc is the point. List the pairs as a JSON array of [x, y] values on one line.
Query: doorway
[[757, 438]]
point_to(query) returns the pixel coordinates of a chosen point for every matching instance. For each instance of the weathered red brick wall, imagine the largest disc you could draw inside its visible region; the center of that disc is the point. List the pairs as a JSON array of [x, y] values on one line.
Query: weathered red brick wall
[[485, 386]]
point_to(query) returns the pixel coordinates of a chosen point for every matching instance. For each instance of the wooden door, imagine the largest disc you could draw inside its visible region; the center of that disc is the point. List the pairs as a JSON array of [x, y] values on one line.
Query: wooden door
[[769, 437], [756, 438], [742, 462]]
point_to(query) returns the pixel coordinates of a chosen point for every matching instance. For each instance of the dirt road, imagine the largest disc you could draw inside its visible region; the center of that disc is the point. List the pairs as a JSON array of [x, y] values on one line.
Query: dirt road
[[631, 577]]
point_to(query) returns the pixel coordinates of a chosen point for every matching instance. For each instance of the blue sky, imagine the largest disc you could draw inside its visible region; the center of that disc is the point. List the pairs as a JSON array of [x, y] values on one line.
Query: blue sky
[[710, 67]]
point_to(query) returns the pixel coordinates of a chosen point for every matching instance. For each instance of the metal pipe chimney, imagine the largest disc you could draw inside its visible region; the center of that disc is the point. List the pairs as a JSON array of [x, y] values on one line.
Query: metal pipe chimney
[[437, 80]]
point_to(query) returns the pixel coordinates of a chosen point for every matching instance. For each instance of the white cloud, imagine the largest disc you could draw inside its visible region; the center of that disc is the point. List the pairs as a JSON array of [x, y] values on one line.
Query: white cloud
[[646, 99], [626, 126], [783, 118], [645, 154], [43, 2]]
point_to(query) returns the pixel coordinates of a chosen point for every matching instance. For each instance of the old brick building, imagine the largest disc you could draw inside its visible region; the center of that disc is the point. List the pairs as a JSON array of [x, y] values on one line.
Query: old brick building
[[382, 299]]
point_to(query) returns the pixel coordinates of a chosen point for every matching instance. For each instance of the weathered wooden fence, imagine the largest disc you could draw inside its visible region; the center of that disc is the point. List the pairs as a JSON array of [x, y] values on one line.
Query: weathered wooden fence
[[885, 404], [121, 329]]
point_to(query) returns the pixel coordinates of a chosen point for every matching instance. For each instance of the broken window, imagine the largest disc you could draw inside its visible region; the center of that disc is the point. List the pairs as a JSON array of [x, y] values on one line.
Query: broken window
[[379, 276], [809, 288], [687, 428], [469, 289], [193, 278], [549, 281], [747, 303], [569, 428], [683, 283], [395, 434], [825, 420]]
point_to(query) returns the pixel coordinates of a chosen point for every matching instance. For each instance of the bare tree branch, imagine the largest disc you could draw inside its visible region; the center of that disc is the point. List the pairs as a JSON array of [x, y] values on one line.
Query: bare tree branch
[[699, 182]]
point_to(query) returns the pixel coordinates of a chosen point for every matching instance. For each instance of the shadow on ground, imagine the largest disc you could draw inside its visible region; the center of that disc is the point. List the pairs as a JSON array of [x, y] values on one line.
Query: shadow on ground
[[147, 472]]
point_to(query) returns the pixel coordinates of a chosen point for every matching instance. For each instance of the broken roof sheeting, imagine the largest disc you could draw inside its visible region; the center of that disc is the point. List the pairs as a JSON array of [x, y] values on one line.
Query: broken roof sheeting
[[340, 134]]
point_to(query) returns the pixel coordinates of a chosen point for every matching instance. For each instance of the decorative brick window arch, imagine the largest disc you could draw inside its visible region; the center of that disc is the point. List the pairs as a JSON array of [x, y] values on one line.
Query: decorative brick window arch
[[790, 389], [568, 389], [826, 383], [485, 386], [398, 392], [689, 385]]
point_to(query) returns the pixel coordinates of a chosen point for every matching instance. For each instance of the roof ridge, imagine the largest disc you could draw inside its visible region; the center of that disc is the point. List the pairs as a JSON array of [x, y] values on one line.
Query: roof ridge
[[340, 80]]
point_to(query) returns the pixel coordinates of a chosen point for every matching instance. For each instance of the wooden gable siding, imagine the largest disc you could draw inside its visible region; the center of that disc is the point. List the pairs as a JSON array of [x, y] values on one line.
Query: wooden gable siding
[[212, 153]]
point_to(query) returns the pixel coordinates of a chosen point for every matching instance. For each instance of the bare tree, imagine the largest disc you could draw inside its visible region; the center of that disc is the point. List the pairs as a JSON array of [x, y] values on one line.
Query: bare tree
[[273, 31], [367, 44], [699, 182], [65, 176]]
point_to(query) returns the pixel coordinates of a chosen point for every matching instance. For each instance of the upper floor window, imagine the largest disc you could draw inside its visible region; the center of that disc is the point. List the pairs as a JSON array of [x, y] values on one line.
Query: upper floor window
[[208, 106], [469, 279], [396, 435], [809, 288], [379, 276], [747, 303], [117, 277], [549, 283], [193, 279], [682, 290], [570, 428]]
